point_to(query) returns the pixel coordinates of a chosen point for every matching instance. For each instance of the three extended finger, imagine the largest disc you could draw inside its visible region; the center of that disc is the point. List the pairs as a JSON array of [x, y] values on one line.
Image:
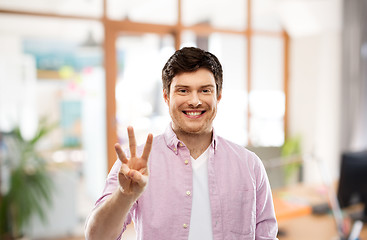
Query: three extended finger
[[121, 155], [132, 141], [147, 147]]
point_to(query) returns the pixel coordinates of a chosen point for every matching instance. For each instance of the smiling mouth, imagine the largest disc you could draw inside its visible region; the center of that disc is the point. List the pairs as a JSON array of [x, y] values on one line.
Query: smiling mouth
[[193, 113]]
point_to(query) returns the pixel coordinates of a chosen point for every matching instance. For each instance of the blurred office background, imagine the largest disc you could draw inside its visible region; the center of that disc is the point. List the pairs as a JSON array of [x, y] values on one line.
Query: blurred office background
[[294, 72]]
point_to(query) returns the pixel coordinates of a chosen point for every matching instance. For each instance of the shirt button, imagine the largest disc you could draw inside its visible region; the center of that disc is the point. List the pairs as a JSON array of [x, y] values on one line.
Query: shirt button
[[186, 162], [188, 193], [184, 225], [175, 149]]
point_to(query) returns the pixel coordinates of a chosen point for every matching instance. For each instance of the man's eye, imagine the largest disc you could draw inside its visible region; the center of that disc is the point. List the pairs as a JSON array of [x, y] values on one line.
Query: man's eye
[[207, 91], [182, 90]]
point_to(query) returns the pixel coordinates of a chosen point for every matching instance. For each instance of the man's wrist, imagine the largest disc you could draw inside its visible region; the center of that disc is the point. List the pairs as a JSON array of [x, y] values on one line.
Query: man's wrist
[[126, 196]]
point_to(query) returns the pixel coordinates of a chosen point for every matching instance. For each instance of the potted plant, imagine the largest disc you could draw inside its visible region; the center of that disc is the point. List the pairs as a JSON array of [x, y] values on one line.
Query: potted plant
[[29, 184], [291, 151]]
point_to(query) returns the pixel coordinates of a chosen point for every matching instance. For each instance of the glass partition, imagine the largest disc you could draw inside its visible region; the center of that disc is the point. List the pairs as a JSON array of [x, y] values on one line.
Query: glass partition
[[139, 94], [267, 99]]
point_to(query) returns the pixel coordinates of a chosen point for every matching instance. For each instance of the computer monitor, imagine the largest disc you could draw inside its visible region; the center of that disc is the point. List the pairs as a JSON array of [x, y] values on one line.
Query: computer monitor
[[352, 187]]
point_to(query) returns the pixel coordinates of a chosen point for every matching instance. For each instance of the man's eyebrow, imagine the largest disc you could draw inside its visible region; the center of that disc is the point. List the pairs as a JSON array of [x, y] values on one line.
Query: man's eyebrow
[[180, 86], [187, 86], [208, 85]]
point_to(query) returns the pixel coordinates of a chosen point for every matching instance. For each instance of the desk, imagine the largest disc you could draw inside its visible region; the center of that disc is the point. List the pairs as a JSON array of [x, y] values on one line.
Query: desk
[[298, 223], [312, 227]]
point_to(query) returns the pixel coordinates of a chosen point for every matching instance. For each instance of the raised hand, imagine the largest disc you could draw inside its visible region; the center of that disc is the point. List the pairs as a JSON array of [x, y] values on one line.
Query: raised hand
[[133, 175]]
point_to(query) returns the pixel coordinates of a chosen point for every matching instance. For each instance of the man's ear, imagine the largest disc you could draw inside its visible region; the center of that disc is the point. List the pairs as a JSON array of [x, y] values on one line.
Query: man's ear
[[165, 96], [219, 96]]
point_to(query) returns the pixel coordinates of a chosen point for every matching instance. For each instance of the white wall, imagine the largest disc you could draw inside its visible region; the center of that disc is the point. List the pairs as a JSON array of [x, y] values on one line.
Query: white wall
[[315, 85], [315, 80]]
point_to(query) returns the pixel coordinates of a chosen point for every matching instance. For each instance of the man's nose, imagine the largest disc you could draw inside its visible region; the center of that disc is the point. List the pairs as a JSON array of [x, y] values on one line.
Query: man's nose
[[194, 100]]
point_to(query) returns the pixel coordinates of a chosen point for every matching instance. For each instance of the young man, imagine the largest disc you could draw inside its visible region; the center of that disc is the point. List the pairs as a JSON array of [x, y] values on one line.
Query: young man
[[196, 185]]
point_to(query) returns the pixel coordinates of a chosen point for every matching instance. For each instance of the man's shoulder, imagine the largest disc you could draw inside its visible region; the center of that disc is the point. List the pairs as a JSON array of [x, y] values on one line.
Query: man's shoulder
[[229, 147], [224, 143]]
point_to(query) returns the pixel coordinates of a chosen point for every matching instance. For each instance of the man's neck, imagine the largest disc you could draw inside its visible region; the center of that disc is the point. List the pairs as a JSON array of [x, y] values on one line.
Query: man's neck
[[196, 143]]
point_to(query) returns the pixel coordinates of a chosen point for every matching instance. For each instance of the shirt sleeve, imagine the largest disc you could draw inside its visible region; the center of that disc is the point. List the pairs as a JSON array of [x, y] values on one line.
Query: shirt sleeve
[[266, 223], [111, 186]]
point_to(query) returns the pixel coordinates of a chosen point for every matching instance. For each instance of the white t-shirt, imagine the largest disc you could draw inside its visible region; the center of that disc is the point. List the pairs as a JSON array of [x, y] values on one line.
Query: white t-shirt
[[201, 221]]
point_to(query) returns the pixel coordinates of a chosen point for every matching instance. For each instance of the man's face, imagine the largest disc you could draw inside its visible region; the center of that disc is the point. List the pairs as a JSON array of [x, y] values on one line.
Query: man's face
[[192, 102]]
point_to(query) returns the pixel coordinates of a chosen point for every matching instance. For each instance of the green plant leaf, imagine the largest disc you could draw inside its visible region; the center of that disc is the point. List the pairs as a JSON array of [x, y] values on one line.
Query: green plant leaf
[[31, 185]]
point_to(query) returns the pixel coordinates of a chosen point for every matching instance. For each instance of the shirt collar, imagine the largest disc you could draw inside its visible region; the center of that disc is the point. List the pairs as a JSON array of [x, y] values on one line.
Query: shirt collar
[[174, 143]]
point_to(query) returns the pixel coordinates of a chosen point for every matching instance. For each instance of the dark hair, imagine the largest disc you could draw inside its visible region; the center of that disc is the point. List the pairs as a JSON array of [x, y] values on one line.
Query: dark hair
[[190, 59]]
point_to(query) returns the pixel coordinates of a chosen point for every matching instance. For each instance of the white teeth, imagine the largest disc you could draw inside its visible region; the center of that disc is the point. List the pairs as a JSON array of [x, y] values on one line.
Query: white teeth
[[193, 113]]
